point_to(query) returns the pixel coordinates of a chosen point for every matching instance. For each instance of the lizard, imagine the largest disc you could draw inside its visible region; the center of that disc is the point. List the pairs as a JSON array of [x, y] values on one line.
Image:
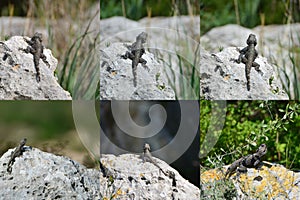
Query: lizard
[[249, 161], [16, 153], [36, 48], [247, 56], [136, 50], [148, 157]]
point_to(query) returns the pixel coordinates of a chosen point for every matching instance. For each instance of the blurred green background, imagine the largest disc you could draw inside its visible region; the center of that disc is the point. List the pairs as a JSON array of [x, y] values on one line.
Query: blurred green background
[[247, 13], [137, 9], [47, 125]]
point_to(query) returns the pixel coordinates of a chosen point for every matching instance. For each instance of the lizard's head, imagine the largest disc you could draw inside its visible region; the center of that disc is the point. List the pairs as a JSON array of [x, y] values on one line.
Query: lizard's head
[[147, 146], [252, 40], [142, 36], [37, 36], [262, 149]]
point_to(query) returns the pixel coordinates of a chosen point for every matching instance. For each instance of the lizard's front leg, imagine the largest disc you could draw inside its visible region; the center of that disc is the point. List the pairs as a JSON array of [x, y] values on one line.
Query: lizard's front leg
[[242, 55], [240, 59], [242, 169], [29, 49], [257, 161], [128, 55], [29, 42]]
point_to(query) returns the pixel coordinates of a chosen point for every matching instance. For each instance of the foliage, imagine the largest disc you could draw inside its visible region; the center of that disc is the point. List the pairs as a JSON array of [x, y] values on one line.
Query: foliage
[[209, 19], [221, 189], [137, 9], [247, 13], [250, 123]]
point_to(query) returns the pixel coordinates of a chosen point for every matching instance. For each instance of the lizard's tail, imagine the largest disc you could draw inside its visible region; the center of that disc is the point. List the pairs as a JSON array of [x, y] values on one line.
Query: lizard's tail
[[247, 72], [134, 76], [38, 75]]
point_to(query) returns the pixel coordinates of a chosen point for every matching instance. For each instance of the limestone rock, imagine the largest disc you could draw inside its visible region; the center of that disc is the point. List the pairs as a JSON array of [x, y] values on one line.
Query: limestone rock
[[128, 177], [40, 175], [18, 74], [275, 182]]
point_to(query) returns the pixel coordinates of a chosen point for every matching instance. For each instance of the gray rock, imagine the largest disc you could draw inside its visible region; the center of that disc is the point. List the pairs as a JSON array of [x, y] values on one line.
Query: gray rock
[[125, 29], [18, 74], [40, 175], [14, 25], [230, 35], [116, 78], [133, 179], [223, 79]]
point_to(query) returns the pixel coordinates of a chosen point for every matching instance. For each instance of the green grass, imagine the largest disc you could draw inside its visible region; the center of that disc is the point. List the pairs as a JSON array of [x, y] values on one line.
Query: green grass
[[80, 72], [288, 66], [182, 67]]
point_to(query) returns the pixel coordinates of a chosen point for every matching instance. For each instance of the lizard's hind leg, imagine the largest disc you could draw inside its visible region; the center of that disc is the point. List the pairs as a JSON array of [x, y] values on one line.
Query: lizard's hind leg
[[143, 62], [44, 59], [256, 67]]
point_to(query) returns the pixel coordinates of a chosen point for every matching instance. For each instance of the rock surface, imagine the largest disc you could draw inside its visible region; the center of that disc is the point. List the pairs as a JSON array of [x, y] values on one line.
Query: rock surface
[[223, 79], [40, 175], [154, 25], [133, 179], [18, 74], [116, 80], [275, 42], [275, 182]]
